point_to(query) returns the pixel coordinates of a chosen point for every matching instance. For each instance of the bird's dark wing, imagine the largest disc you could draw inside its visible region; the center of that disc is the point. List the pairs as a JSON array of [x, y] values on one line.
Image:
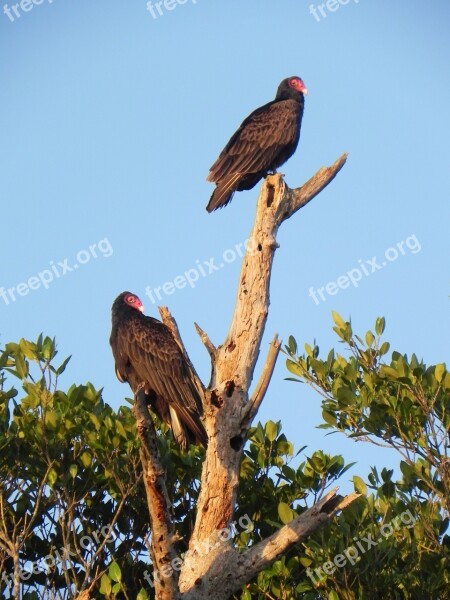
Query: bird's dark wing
[[120, 356], [255, 145], [147, 346]]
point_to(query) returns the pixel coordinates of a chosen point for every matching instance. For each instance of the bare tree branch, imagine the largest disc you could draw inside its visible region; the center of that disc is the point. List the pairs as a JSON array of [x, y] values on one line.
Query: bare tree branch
[[231, 570], [170, 322], [299, 197], [159, 506], [212, 350], [28, 523], [228, 412], [260, 391], [263, 554]]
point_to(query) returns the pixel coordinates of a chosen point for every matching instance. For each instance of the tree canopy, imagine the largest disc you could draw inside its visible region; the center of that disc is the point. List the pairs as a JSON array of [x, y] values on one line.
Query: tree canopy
[[73, 511]]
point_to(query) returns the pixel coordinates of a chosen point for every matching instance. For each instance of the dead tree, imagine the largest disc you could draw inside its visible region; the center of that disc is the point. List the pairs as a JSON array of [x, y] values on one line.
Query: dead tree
[[229, 411]]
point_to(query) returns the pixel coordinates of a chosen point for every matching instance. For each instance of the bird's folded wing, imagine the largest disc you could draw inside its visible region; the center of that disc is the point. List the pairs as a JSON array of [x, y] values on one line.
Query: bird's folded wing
[[157, 359], [257, 141]]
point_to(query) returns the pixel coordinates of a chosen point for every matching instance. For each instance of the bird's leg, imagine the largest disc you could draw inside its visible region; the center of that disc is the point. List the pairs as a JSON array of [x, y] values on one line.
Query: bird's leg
[[272, 172], [149, 397], [139, 388]]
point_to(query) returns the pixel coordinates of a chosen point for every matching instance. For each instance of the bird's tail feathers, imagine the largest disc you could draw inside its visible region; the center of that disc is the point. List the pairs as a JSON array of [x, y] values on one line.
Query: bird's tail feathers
[[184, 424], [178, 430], [223, 192]]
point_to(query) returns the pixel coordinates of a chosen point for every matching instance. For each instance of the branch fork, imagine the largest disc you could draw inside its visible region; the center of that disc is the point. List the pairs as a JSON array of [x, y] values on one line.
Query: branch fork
[[229, 412]]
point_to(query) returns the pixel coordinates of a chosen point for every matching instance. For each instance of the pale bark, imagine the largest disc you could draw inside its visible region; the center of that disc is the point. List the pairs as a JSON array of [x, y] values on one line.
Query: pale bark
[[159, 506], [231, 570], [229, 411]]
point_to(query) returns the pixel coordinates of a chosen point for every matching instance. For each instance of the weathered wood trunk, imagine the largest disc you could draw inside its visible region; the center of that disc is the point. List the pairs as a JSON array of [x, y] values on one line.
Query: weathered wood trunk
[[212, 568]]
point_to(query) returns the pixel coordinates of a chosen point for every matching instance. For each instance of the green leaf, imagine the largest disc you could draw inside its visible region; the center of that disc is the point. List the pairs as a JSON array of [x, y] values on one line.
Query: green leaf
[[338, 319], [11, 348], [86, 459], [306, 562], [142, 595], [114, 572], [329, 418], [73, 470], [333, 595], [49, 348], [21, 366], [369, 338], [389, 372], [406, 469], [28, 349], [439, 372], [294, 367], [105, 585], [384, 348], [52, 477], [292, 345], [271, 430], [359, 484], [346, 468], [379, 325], [63, 366], [285, 513], [388, 489], [120, 429], [50, 420], [95, 421]]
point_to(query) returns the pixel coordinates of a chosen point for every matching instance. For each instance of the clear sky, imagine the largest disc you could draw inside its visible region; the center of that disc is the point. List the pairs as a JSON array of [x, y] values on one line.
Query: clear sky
[[110, 119]]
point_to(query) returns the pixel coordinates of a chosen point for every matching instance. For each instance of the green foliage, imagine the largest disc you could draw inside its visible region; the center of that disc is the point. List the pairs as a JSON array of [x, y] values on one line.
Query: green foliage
[[403, 404], [70, 474], [70, 470], [272, 492]]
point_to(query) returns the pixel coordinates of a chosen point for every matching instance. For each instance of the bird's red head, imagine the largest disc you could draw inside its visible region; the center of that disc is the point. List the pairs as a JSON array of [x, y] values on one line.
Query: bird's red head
[[134, 302], [297, 84]]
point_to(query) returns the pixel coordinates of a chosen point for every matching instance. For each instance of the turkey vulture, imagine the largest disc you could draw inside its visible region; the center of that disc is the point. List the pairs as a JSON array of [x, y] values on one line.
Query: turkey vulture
[[264, 141], [147, 355]]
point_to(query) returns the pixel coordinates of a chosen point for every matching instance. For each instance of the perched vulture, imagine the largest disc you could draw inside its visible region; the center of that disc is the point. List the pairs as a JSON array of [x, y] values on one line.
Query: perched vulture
[[147, 355], [264, 141]]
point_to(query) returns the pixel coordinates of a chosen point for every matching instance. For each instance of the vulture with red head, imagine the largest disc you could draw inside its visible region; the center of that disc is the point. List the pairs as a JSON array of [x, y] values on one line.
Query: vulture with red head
[[264, 141], [147, 356]]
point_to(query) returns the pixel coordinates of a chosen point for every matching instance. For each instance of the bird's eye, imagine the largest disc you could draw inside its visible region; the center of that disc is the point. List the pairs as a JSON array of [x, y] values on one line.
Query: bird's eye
[[130, 299]]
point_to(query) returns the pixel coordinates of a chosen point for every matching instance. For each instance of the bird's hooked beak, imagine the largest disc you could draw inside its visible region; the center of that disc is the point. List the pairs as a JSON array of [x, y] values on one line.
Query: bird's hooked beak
[[141, 308], [302, 88]]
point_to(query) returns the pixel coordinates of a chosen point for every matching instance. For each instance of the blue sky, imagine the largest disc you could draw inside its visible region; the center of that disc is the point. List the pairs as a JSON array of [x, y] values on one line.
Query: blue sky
[[111, 119]]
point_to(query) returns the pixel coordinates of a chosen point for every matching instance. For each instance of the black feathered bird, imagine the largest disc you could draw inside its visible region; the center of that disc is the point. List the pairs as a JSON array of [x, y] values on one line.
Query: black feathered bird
[[263, 142], [147, 355]]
